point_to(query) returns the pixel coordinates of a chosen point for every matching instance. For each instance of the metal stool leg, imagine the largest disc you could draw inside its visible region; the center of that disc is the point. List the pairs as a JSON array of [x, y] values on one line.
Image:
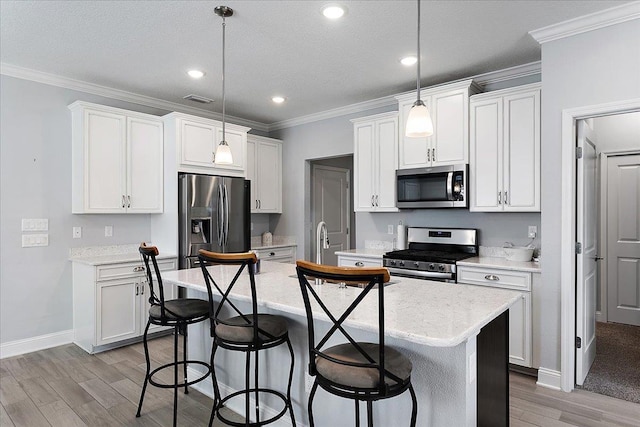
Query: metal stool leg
[[184, 356], [256, 372], [175, 375], [369, 413], [146, 377], [293, 418], [310, 404], [414, 408], [216, 390], [247, 386], [357, 413]]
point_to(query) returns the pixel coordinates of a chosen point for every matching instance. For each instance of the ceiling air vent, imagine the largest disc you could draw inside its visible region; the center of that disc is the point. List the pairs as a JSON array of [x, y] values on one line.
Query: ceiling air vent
[[198, 98]]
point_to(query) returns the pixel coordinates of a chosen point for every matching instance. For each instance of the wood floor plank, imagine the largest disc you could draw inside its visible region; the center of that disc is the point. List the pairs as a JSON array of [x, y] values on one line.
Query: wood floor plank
[[71, 392], [5, 420], [107, 373], [49, 370], [11, 392], [25, 413], [102, 392], [94, 415], [125, 413], [76, 370], [39, 391], [131, 391], [535, 408], [541, 420], [20, 368], [59, 414], [556, 403]]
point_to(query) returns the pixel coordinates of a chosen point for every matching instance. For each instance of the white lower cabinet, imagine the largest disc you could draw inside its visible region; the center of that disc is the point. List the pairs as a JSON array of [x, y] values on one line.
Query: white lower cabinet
[[111, 302], [285, 254], [520, 318], [358, 261]]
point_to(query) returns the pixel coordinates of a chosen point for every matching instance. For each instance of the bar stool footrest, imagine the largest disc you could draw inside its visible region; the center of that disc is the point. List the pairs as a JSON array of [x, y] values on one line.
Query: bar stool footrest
[[182, 384], [276, 417]]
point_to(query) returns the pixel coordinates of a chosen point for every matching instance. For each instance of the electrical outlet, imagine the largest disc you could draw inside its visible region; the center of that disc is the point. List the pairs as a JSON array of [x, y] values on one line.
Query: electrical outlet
[[108, 230], [77, 232], [31, 240], [533, 231], [390, 229]]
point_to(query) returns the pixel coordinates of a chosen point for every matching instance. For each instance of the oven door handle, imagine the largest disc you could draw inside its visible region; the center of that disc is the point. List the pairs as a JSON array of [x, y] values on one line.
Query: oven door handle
[[419, 274], [450, 186]]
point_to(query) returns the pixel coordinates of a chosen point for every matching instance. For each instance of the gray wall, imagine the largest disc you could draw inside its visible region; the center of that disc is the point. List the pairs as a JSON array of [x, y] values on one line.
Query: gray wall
[[617, 133], [35, 182], [591, 68]]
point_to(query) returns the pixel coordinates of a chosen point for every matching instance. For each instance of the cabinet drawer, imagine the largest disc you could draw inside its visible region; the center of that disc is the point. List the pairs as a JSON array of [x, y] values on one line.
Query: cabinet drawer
[[130, 269], [347, 261], [275, 253], [519, 280]]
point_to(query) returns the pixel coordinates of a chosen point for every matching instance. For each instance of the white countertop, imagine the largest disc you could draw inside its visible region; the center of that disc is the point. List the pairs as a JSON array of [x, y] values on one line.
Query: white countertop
[[421, 311], [501, 263], [114, 258], [363, 253], [282, 245]]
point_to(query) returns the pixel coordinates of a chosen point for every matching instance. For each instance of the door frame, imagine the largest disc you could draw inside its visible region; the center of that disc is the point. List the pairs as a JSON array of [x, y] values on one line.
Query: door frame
[[570, 117], [312, 214], [601, 315]]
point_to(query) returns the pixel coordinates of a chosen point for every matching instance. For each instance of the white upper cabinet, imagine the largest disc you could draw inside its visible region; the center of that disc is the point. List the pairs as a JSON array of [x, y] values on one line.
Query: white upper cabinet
[[449, 144], [504, 170], [117, 160], [195, 140], [375, 162], [264, 169]]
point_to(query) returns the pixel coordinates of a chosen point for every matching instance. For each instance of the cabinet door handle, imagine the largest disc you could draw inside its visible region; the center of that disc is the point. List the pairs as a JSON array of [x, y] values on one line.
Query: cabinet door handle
[[506, 197], [492, 277], [213, 157], [128, 201], [433, 154], [142, 289], [372, 203], [499, 197], [259, 204], [359, 263], [123, 201], [428, 154], [376, 199], [137, 290], [272, 254], [138, 268]]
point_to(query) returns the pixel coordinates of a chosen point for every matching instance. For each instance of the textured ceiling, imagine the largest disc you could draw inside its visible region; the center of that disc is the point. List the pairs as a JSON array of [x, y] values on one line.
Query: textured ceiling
[[274, 47]]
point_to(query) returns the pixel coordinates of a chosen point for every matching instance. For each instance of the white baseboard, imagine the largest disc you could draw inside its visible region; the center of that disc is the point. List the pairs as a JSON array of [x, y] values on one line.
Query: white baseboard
[[16, 348], [237, 405], [549, 378]]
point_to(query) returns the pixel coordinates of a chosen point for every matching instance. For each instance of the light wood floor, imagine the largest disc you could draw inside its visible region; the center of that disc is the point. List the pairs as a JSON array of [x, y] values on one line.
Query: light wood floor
[[66, 387]]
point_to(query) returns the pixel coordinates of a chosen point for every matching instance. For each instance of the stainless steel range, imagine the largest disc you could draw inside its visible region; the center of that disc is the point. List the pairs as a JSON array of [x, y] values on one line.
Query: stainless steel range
[[432, 253]]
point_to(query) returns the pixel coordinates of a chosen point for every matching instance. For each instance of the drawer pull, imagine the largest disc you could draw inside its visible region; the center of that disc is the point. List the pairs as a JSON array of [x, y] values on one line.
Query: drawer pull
[[272, 254], [138, 268], [492, 277], [359, 264]]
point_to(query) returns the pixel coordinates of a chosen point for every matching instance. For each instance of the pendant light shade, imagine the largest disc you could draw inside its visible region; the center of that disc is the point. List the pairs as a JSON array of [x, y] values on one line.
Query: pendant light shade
[[419, 124], [223, 154]]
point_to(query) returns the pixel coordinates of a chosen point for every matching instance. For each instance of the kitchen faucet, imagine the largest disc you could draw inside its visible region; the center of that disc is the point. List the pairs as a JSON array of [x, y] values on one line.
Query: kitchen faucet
[[322, 242]]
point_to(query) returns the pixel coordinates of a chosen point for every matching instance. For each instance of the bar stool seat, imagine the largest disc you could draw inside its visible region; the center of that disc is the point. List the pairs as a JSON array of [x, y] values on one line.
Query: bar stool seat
[[270, 328], [180, 309]]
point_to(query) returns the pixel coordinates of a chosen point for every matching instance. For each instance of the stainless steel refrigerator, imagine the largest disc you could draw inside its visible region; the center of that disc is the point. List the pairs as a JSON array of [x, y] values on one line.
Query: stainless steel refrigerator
[[213, 214]]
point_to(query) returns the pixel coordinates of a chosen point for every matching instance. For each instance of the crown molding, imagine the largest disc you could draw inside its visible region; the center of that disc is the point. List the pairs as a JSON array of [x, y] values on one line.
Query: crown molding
[[121, 95], [511, 73], [593, 21]]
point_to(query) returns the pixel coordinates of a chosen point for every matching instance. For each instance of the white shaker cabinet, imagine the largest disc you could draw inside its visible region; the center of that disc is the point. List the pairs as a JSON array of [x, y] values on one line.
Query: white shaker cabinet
[[504, 170], [264, 170], [111, 302], [375, 162], [195, 140], [520, 315], [284, 254], [117, 160], [449, 109]]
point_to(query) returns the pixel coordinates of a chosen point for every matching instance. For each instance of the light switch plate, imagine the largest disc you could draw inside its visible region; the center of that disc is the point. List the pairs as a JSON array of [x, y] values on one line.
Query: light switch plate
[[33, 240], [108, 231], [533, 231], [35, 224], [390, 229]]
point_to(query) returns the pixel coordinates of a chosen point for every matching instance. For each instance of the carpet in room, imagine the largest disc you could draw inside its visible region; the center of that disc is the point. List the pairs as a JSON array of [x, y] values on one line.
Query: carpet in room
[[616, 369]]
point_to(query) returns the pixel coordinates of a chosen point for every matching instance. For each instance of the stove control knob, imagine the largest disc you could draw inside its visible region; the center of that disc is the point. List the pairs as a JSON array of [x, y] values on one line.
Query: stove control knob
[[432, 267], [441, 267], [416, 264], [401, 264]]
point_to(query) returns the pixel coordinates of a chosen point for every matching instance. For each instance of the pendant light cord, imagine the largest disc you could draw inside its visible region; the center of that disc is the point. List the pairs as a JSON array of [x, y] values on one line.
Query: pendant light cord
[[418, 75], [223, 97]]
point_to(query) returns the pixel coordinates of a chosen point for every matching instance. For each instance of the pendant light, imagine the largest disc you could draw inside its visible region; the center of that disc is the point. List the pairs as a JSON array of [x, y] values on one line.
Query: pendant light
[[223, 151], [419, 124]]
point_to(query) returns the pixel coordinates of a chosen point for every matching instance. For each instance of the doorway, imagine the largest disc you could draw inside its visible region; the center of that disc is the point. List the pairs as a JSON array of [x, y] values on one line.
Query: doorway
[[331, 201], [608, 263]]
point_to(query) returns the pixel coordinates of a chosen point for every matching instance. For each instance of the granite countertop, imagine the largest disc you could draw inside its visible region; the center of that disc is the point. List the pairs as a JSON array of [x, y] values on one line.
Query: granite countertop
[[364, 253], [501, 263], [102, 255], [274, 246], [420, 311]]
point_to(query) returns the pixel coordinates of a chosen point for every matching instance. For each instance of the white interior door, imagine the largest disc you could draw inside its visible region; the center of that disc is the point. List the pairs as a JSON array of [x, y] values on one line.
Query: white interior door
[[586, 265], [331, 205], [623, 239]]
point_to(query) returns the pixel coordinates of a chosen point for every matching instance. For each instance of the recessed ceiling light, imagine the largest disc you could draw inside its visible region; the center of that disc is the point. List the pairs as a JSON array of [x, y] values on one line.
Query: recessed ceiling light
[[278, 99], [408, 60], [333, 11], [195, 74]]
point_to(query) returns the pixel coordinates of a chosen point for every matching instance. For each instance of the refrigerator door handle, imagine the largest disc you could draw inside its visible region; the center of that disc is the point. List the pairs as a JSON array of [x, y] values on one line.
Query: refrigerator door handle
[[220, 216], [226, 212]]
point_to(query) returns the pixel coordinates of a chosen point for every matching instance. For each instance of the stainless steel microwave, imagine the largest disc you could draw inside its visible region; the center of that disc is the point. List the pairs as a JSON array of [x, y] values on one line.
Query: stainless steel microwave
[[436, 187]]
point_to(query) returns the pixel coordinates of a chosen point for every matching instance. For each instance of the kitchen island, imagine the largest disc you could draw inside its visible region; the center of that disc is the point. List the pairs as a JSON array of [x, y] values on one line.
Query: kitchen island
[[455, 336]]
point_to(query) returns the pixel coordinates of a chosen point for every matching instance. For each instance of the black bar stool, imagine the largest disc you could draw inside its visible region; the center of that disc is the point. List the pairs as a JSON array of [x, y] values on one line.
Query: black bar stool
[[177, 313], [248, 333], [354, 370]]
